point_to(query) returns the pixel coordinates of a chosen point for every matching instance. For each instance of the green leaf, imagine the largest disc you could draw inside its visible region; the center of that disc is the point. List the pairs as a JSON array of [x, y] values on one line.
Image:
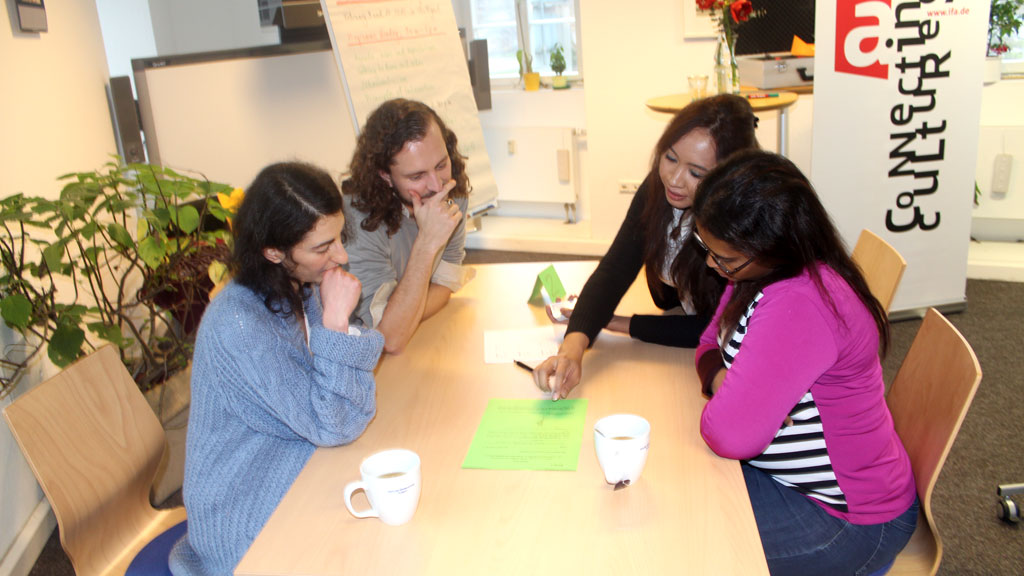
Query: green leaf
[[43, 206], [53, 255], [89, 230], [185, 217], [72, 312], [160, 216], [217, 271], [65, 344], [16, 310], [152, 251], [217, 211], [110, 334], [92, 254], [120, 235], [122, 204]]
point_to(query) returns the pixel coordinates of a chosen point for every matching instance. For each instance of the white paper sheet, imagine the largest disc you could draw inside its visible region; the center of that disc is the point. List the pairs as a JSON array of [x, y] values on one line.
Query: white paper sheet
[[527, 344]]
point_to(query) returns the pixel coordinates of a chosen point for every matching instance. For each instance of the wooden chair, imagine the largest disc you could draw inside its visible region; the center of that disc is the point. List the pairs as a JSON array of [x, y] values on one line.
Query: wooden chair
[[928, 400], [881, 265], [94, 445]]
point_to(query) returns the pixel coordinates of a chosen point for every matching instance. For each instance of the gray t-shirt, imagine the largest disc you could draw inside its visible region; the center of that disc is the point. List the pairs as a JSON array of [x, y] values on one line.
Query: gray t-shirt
[[379, 261]]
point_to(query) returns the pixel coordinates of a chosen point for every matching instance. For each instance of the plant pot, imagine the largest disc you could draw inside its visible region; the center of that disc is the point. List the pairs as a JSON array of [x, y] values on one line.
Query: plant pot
[[559, 83], [993, 69], [531, 81]]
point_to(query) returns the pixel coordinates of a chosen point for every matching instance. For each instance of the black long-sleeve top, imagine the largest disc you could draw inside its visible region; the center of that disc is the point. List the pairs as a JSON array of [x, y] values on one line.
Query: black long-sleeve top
[[618, 269]]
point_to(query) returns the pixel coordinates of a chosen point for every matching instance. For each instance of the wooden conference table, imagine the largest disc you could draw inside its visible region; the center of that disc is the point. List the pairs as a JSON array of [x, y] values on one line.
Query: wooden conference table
[[781, 100], [688, 512]]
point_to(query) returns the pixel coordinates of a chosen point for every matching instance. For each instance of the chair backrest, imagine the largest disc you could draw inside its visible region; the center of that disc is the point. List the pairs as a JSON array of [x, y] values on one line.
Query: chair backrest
[[94, 445], [928, 399], [881, 265]]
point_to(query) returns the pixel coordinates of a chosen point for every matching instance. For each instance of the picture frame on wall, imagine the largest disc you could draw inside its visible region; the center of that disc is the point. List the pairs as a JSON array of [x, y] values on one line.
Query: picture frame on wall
[[31, 15], [697, 23]]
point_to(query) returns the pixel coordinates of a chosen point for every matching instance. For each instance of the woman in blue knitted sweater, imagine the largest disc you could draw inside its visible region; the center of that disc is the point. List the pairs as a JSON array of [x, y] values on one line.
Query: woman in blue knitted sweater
[[277, 369]]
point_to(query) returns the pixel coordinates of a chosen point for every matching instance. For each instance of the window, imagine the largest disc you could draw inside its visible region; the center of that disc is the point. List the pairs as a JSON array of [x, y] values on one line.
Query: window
[[543, 23], [267, 8]]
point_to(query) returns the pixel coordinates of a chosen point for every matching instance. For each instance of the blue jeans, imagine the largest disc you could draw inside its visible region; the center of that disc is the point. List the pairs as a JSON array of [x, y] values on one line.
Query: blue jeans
[[799, 537]]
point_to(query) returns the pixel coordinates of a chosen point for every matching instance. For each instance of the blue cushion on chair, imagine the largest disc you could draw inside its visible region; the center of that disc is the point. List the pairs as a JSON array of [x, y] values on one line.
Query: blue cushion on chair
[[152, 560]]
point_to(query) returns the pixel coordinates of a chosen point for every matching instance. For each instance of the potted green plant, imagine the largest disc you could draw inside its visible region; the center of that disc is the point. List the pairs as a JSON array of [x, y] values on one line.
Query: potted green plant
[[122, 256], [558, 66], [531, 79], [1004, 20]]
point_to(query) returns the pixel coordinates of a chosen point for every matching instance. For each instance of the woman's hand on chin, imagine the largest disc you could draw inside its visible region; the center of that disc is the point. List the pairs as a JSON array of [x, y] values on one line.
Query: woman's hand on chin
[[339, 295]]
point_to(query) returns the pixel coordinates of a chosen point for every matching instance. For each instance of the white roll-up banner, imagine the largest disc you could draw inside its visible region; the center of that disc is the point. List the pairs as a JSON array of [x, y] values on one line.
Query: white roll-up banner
[[897, 99]]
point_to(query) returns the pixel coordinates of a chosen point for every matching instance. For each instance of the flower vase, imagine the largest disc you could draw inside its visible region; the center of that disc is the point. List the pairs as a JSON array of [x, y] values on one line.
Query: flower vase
[[727, 72]]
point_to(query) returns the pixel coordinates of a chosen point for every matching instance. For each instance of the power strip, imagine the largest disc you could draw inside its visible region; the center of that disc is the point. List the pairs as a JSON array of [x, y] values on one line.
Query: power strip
[[1001, 173]]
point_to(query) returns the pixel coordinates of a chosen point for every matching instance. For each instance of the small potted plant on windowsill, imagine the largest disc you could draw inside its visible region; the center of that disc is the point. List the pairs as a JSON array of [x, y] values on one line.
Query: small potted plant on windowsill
[[1004, 20], [559, 82], [531, 79]]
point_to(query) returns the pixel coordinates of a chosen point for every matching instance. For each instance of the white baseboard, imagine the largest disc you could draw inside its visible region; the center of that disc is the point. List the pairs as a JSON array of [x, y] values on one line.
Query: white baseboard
[[25, 550], [996, 261]]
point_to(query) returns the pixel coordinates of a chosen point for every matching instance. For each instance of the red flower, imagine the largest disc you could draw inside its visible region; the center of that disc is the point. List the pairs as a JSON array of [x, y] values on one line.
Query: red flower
[[741, 10], [707, 4], [1000, 49]]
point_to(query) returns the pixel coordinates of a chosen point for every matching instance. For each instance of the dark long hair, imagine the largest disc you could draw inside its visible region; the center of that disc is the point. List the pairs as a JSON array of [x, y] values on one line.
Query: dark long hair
[[764, 207], [281, 206], [388, 129], [730, 121]]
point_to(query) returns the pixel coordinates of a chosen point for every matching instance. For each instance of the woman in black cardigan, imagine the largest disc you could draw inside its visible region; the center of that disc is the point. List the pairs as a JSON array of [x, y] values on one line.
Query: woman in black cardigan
[[654, 235]]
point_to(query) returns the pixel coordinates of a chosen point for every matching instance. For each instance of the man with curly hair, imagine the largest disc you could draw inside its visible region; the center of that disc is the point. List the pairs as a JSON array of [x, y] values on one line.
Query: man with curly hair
[[404, 201]]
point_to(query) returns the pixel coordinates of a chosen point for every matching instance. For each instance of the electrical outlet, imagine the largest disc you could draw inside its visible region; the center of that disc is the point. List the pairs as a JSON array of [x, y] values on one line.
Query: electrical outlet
[[1001, 173], [628, 186]]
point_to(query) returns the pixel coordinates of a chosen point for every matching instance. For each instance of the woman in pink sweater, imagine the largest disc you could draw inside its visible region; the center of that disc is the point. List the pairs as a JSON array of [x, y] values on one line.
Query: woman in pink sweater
[[791, 364]]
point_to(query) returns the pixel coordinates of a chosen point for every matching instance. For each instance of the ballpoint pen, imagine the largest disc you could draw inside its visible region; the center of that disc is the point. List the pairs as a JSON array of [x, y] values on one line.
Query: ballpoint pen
[[524, 366]]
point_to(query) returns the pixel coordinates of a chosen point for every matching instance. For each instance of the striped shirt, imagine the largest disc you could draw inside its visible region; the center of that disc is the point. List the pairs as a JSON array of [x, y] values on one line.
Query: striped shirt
[[797, 457]]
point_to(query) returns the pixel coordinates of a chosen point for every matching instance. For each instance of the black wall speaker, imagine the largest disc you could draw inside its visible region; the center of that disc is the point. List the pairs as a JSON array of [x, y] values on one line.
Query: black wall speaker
[[480, 73], [125, 115]]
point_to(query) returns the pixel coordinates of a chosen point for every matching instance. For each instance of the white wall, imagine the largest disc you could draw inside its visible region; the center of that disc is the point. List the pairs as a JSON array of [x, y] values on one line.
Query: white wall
[[127, 33], [54, 119], [1000, 217], [629, 60], [187, 26]]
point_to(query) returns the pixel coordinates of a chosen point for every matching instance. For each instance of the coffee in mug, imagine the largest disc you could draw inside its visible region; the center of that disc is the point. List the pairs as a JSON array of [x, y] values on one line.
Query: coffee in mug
[[622, 442], [391, 481]]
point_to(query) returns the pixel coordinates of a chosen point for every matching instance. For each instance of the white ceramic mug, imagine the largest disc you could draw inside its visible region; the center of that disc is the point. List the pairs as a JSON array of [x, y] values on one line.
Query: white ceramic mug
[[391, 481], [621, 442]]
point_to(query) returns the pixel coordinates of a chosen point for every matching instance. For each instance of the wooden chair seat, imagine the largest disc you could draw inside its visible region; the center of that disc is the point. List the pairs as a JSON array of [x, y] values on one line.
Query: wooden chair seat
[[94, 445], [881, 264], [929, 399]]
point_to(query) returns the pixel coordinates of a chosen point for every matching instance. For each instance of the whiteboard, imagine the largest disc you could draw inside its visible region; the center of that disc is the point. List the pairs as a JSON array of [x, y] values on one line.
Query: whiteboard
[[228, 118]]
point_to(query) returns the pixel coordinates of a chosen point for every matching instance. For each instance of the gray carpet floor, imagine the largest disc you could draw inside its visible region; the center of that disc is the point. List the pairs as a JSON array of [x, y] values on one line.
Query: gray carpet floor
[[988, 451]]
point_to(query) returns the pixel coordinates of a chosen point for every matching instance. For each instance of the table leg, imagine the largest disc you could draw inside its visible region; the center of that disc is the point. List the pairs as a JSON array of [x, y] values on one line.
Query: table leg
[[783, 131]]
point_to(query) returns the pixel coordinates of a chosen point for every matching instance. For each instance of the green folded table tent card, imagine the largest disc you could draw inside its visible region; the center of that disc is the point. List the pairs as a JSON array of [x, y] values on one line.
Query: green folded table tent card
[[548, 288]]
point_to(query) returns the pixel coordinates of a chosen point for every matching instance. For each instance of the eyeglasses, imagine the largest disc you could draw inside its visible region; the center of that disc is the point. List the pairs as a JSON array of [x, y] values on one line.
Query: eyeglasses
[[718, 262]]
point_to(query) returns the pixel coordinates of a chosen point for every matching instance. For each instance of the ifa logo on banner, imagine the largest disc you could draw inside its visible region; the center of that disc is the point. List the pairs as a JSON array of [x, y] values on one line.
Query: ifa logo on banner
[[864, 37]]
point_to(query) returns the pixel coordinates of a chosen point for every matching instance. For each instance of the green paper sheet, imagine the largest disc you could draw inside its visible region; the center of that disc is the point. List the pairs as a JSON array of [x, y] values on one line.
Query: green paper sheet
[[518, 434]]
